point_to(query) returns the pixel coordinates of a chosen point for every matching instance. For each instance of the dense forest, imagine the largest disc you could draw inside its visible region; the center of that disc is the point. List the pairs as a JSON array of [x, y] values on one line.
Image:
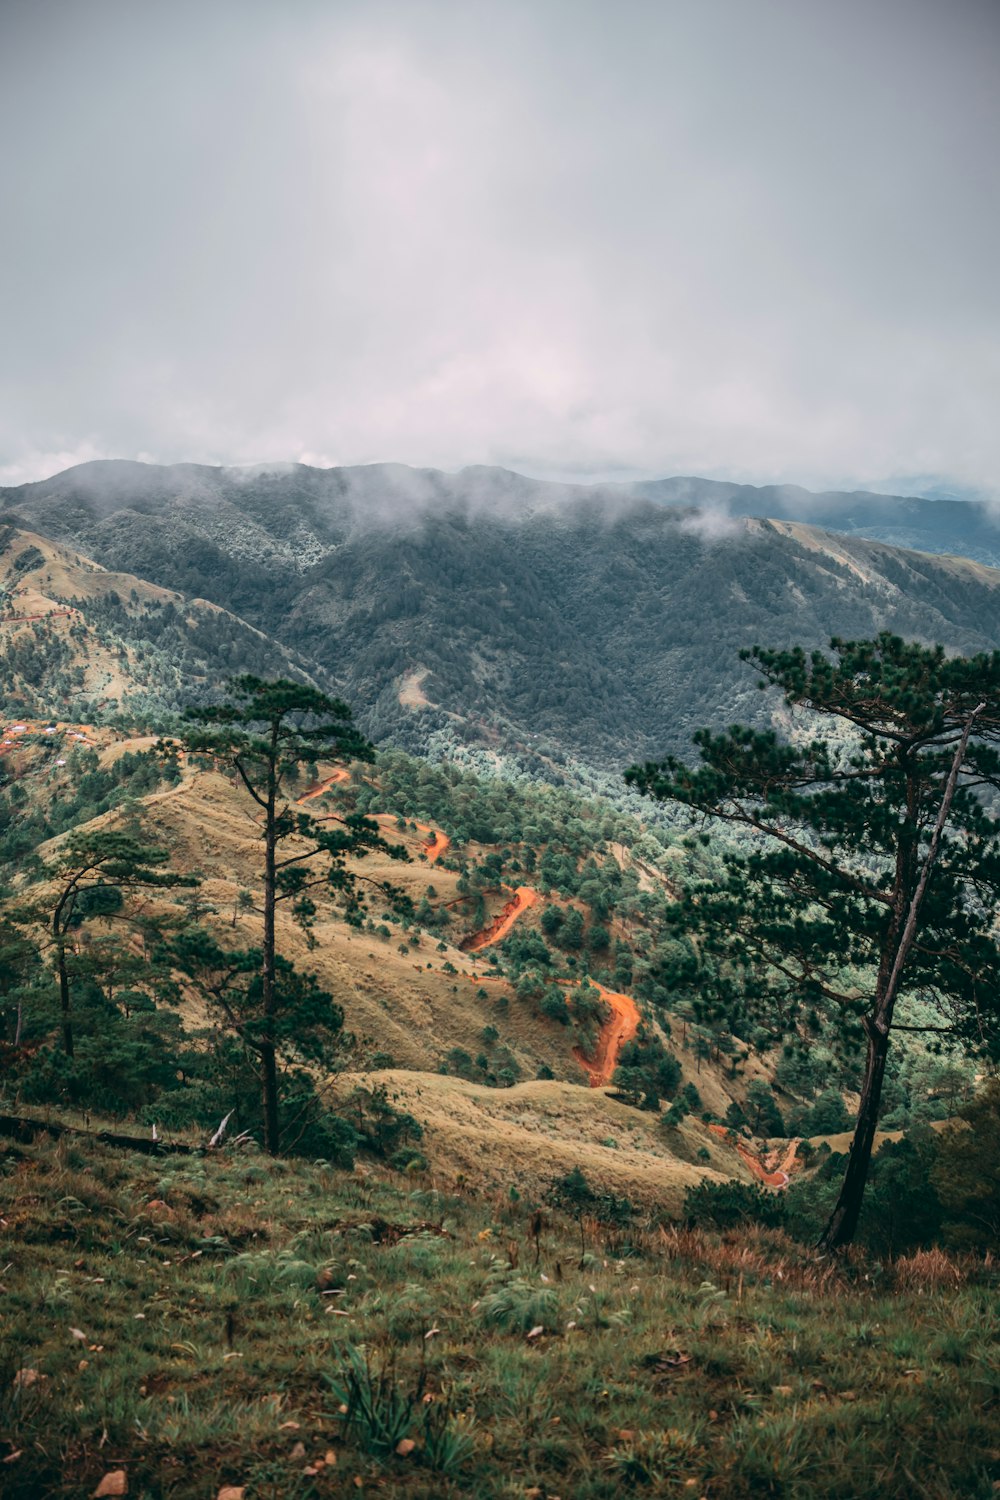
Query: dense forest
[[550, 624]]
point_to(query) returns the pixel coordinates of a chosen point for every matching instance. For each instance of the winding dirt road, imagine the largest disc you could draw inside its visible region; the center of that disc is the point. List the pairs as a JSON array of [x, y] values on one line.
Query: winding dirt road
[[620, 1027], [764, 1169], [340, 775], [523, 898]]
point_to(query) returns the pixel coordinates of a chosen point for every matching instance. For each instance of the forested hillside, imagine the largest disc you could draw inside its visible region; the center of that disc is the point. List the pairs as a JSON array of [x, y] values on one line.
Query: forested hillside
[[541, 624], [960, 527], [79, 641]]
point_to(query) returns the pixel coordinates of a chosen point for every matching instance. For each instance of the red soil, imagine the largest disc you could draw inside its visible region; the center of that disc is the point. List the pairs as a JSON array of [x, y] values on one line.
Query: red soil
[[765, 1170], [498, 929], [436, 844], [620, 1027], [341, 774]]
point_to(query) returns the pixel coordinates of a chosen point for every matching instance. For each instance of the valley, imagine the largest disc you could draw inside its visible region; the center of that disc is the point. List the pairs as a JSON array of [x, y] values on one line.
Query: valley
[[502, 1057], [499, 751], [554, 631]]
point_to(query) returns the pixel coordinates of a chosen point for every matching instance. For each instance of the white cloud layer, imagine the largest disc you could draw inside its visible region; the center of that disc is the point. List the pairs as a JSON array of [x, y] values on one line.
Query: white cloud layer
[[754, 240]]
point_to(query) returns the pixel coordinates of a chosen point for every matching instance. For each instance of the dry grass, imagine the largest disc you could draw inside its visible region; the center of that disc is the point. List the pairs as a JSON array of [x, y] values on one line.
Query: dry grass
[[535, 1132], [405, 1003], [928, 1271]]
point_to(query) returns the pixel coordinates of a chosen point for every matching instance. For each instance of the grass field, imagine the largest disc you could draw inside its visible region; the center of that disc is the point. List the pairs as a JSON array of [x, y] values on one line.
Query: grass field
[[196, 1322]]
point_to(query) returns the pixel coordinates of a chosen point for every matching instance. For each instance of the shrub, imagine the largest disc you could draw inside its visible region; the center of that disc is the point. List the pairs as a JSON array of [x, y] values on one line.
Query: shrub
[[646, 1071], [518, 1306], [727, 1205], [553, 1005], [574, 1195]]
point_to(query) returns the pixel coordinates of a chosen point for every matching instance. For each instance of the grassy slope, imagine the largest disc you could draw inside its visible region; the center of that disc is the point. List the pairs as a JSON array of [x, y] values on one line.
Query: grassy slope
[[408, 1005], [173, 1322], [71, 629], [401, 1000]]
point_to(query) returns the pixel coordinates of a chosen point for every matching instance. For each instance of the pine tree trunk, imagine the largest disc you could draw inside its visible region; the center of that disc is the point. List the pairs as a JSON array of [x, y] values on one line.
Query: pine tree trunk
[[843, 1223], [269, 1097], [844, 1219], [67, 1024], [269, 999]]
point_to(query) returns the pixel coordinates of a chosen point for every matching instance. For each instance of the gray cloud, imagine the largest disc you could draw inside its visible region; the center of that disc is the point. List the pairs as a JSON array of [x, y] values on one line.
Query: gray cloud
[[701, 236]]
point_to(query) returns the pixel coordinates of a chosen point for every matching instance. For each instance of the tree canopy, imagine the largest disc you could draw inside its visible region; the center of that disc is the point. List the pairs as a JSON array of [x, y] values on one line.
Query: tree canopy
[[266, 731], [864, 884]]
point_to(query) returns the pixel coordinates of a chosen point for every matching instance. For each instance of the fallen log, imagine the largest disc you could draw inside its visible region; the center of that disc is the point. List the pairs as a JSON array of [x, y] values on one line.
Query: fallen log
[[20, 1128]]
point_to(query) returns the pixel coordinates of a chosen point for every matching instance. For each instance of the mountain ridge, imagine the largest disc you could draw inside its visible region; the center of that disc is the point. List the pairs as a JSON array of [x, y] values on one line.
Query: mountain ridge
[[966, 527], [552, 628]]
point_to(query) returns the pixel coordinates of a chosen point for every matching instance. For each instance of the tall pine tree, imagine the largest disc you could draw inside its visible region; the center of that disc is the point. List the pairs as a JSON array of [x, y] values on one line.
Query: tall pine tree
[[864, 882], [266, 731]]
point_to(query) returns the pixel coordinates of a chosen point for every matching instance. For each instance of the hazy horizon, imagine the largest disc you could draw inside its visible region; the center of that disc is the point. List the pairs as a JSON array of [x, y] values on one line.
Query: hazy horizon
[[750, 243], [921, 487]]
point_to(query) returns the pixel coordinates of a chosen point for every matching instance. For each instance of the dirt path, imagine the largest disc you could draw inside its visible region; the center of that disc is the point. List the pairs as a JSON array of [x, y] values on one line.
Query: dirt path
[[340, 775], [523, 898], [620, 1027], [49, 614], [787, 1161], [436, 844], [764, 1169]]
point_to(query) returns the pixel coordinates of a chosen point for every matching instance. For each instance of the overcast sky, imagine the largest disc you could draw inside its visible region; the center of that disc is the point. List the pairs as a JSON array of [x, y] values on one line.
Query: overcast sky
[[738, 238]]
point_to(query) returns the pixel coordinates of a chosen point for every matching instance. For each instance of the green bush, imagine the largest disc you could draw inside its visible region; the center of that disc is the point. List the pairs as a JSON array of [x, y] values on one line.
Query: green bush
[[727, 1205], [574, 1195]]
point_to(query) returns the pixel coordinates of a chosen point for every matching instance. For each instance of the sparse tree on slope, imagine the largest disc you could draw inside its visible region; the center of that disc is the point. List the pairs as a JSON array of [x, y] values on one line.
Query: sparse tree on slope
[[90, 873], [873, 880], [266, 731]]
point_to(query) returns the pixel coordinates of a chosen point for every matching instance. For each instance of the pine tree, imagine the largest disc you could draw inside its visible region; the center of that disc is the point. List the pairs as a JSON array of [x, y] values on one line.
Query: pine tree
[[872, 883], [89, 875], [267, 731]]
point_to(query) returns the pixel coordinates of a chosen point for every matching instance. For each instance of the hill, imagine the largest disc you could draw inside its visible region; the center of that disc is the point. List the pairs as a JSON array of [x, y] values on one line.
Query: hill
[[213, 1327], [79, 639], [476, 1213], [959, 527], [546, 627], [494, 1009]]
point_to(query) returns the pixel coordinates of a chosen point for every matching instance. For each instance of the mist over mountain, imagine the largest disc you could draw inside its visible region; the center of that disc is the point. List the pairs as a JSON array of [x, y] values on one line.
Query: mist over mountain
[[298, 512], [966, 528], [535, 620]]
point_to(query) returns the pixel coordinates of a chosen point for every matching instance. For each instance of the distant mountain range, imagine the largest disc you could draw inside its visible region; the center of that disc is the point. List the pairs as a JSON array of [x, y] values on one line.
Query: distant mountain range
[[543, 624], [965, 528]]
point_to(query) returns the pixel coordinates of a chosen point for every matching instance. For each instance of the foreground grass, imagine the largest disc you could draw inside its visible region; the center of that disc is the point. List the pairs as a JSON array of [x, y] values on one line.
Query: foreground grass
[[203, 1322]]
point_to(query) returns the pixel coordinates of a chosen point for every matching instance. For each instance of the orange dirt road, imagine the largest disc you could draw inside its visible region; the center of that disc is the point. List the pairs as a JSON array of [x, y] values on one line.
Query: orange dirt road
[[341, 774], [437, 842], [620, 1027], [523, 898], [762, 1170]]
